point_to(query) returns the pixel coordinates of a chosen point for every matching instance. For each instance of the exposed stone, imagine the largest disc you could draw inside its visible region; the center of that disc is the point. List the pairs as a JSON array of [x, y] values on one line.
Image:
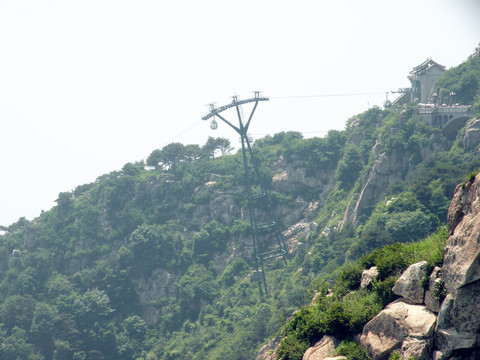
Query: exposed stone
[[377, 148], [462, 251], [456, 209], [336, 358], [458, 326], [30, 237], [431, 295], [459, 320], [409, 285], [154, 287], [472, 134], [299, 231], [395, 327], [267, 351], [418, 349], [368, 276], [385, 170], [324, 348], [357, 137]]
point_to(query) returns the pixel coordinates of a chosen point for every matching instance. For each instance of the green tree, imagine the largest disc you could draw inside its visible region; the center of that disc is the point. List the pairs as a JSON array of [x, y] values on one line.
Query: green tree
[[217, 144], [16, 346], [91, 307], [131, 339], [17, 311], [155, 158], [62, 351], [438, 204], [349, 167], [43, 329]]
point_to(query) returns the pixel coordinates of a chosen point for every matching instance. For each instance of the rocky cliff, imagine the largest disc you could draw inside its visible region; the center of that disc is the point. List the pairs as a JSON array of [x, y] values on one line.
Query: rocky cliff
[[437, 316]]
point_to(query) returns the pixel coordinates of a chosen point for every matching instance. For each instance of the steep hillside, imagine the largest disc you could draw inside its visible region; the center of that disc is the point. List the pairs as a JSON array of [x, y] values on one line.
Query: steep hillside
[[154, 261], [403, 301]]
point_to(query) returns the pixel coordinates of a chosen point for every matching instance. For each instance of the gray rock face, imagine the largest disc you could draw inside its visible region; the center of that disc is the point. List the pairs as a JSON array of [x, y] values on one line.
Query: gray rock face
[[472, 134], [267, 352], [409, 285], [368, 276], [402, 326], [322, 349], [462, 251], [458, 328], [416, 349], [387, 168], [384, 171], [431, 295], [152, 288]]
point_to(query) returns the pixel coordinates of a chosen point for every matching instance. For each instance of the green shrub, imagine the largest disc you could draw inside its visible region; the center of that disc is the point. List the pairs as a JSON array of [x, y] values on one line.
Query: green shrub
[[383, 290], [361, 306], [291, 348], [391, 261], [472, 176], [337, 320], [352, 350], [395, 355], [349, 279], [439, 290]]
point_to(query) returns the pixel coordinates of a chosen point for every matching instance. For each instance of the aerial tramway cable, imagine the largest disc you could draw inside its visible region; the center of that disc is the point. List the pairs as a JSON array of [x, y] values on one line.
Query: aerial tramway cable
[[286, 97], [324, 95]]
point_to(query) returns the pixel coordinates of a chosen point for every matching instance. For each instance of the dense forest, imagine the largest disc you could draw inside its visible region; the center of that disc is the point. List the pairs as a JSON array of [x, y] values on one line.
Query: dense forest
[[154, 261]]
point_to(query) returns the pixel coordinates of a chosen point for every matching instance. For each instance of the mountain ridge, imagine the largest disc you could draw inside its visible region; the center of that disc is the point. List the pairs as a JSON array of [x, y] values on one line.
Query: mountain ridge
[[154, 261]]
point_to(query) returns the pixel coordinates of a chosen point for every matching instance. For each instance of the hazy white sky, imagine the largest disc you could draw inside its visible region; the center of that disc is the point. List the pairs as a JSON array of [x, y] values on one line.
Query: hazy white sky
[[87, 86]]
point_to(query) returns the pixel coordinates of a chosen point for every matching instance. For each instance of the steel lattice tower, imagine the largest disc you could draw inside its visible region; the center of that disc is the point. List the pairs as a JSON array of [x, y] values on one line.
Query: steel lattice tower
[[267, 239]]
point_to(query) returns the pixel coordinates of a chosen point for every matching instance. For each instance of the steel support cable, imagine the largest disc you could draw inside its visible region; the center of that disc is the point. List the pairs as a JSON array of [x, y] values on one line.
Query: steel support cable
[[325, 95]]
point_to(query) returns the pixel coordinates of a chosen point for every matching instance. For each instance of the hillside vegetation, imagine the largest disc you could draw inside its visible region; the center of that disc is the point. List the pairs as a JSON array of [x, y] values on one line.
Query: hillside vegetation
[[153, 261]]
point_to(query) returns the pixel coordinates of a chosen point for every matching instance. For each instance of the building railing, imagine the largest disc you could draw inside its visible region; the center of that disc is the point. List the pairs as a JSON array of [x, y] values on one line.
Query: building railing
[[442, 109]]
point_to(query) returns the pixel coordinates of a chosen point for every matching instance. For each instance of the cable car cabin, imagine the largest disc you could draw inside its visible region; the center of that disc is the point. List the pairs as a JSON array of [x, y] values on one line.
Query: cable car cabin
[[16, 253], [213, 124]]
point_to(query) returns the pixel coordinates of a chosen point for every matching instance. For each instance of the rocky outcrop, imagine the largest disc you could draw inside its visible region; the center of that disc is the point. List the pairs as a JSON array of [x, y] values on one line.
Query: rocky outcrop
[[400, 326], [410, 284], [458, 327], [322, 349], [267, 351], [151, 289], [368, 276], [441, 321], [472, 134], [290, 179], [408, 328], [434, 293], [386, 169]]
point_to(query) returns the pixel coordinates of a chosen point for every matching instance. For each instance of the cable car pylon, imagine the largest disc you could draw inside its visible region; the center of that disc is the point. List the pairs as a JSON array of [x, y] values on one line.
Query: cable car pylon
[[267, 239]]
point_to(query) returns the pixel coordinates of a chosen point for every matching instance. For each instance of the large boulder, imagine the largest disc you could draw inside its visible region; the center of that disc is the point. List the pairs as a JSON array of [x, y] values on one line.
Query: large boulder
[[410, 284], [324, 348], [400, 326], [368, 275]]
